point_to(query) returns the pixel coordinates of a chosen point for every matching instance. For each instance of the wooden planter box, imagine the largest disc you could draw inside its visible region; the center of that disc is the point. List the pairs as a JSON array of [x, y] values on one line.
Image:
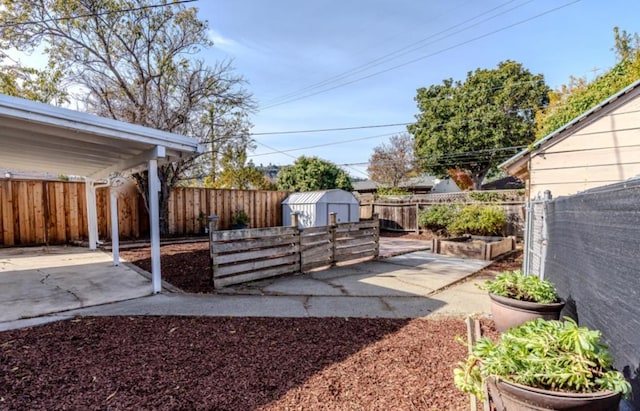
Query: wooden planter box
[[482, 248]]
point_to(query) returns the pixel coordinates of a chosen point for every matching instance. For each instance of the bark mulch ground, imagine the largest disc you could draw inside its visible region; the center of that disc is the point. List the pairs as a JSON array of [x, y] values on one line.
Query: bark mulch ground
[[190, 363], [173, 363]]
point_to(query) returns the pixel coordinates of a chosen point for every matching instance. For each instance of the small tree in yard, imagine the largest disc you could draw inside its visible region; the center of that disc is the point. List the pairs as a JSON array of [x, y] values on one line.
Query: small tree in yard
[[312, 173], [392, 163]]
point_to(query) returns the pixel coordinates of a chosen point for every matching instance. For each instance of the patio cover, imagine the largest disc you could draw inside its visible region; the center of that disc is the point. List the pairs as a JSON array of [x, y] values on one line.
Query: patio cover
[[40, 137]]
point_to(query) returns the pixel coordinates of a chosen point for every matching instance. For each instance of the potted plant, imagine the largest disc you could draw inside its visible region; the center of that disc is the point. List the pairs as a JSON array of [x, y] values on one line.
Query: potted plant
[[517, 298], [240, 220], [543, 365]]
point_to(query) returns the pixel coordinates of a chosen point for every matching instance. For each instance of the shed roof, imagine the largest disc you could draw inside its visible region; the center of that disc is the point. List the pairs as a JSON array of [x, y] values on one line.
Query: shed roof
[[40, 137], [312, 197]]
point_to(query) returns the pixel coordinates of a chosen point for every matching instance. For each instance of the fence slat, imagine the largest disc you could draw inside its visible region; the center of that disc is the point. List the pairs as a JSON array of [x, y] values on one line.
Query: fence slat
[[36, 212]]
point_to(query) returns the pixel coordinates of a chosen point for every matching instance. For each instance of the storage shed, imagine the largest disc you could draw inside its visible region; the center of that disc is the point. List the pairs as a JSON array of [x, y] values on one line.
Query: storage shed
[[313, 208]]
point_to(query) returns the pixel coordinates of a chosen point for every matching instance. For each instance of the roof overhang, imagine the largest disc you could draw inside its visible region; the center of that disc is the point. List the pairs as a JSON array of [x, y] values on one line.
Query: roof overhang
[[518, 164], [40, 137]]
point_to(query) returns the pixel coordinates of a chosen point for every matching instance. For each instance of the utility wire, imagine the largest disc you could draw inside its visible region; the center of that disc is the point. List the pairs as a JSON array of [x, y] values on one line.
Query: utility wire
[[79, 16], [474, 39], [398, 53], [319, 130], [324, 145]]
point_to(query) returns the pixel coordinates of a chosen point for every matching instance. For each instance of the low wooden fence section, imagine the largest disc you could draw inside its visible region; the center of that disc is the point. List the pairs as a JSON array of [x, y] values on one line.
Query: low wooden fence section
[[247, 255]]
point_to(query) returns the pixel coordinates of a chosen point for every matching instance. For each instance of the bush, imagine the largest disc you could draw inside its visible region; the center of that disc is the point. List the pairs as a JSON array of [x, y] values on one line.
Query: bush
[[393, 191], [438, 217], [478, 219]]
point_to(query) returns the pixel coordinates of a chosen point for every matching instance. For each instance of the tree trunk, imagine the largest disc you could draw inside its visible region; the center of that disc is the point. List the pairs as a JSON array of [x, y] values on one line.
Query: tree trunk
[[166, 175]]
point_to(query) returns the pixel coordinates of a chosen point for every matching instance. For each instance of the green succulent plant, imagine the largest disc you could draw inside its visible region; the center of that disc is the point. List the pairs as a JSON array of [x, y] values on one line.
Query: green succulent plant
[[516, 285], [551, 355]]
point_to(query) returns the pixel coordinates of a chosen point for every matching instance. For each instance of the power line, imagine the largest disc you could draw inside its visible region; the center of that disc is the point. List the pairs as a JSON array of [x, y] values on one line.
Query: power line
[[323, 145], [398, 53], [318, 130], [490, 33], [79, 16]]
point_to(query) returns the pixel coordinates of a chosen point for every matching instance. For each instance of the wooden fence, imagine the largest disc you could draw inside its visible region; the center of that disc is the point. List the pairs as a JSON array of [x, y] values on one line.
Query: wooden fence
[[247, 255], [36, 212], [400, 213]]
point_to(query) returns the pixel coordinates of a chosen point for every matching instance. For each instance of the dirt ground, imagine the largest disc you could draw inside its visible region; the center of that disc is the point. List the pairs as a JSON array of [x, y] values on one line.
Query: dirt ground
[[188, 363]]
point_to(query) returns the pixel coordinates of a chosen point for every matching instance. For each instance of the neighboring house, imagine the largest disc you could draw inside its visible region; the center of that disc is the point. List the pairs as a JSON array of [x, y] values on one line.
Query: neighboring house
[[424, 184], [365, 186], [506, 183], [600, 147], [445, 186]]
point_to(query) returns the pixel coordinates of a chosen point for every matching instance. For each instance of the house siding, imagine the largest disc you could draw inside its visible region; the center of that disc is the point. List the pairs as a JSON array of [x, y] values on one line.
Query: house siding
[[603, 152]]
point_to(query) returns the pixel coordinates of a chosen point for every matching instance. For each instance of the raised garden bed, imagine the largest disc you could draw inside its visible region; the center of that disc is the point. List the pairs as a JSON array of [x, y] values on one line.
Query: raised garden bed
[[482, 248]]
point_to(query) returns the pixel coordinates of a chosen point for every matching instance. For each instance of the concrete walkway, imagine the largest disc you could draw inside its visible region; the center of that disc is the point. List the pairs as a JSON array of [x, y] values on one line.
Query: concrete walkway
[[413, 285], [40, 280]]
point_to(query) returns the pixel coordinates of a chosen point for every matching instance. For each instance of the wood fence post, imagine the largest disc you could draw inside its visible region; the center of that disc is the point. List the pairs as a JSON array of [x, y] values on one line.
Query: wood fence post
[[332, 230], [213, 227], [294, 224], [376, 220]]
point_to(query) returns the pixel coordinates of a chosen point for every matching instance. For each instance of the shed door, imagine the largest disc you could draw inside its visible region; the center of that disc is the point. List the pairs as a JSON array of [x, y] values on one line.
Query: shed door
[[341, 210]]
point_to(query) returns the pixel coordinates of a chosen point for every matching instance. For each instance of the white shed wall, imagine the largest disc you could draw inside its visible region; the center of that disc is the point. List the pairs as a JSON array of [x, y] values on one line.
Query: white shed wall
[[313, 208]]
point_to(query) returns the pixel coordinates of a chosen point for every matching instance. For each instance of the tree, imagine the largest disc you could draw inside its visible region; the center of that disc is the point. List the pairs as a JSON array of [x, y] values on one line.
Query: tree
[[580, 95], [135, 61], [44, 86], [476, 124], [392, 163], [236, 172], [312, 173]]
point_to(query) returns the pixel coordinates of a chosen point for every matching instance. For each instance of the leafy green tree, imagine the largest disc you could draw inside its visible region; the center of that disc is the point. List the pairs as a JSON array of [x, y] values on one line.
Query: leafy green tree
[[136, 61], [312, 173], [394, 162], [236, 172], [580, 95], [470, 125]]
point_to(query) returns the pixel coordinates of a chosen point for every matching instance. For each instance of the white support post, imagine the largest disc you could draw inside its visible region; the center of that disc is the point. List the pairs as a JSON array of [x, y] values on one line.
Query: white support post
[[115, 238], [154, 216], [92, 214]]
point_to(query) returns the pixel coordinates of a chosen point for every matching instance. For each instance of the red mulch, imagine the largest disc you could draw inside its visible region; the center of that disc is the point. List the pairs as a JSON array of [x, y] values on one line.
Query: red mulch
[[188, 363], [186, 266]]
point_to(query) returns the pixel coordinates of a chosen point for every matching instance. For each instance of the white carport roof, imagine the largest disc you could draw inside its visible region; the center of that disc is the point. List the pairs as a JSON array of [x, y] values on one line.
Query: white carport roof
[[40, 137]]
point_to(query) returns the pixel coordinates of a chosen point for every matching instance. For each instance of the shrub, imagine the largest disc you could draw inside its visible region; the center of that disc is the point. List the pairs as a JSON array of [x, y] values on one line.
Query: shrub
[[478, 219], [438, 217], [393, 191]]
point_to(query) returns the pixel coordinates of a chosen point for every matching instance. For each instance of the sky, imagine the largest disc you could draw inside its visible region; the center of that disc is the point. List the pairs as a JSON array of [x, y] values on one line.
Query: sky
[[349, 63]]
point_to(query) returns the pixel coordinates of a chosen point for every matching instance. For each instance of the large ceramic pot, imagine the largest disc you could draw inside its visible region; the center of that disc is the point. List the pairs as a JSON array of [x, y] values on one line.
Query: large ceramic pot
[[516, 397], [508, 312]]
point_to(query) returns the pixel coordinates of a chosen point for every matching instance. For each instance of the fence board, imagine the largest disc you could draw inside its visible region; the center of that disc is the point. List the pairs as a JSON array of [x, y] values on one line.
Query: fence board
[[54, 212], [252, 276], [252, 255]]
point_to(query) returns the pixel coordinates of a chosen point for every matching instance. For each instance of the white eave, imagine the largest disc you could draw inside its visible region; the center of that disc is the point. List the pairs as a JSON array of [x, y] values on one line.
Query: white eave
[[40, 137]]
